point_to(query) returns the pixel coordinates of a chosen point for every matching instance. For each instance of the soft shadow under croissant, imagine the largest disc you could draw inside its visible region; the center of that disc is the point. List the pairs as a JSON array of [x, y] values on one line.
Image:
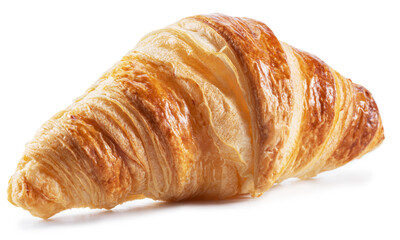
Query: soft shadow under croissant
[[207, 108]]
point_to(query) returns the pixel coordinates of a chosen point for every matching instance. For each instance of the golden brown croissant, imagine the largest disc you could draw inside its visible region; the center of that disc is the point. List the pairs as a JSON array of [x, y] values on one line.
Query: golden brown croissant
[[208, 108]]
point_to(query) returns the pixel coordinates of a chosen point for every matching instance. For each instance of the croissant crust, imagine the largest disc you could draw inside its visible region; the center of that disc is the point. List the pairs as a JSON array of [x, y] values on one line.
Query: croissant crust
[[210, 107]]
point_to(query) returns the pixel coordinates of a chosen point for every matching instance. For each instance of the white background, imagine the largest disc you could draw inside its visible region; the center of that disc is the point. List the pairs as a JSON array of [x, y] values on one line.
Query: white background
[[50, 52]]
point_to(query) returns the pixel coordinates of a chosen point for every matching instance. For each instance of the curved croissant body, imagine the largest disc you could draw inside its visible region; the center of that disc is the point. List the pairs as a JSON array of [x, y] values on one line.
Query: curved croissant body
[[210, 107]]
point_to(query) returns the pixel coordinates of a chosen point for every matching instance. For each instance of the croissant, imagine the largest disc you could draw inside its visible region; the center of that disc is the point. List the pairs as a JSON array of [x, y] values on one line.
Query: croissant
[[210, 107]]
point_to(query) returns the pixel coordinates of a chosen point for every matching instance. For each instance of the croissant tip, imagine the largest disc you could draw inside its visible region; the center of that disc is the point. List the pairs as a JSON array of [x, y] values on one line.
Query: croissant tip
[[22, 194]]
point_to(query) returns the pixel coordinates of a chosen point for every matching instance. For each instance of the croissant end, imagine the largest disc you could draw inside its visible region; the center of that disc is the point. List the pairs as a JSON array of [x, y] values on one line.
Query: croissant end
[[43, 203]]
